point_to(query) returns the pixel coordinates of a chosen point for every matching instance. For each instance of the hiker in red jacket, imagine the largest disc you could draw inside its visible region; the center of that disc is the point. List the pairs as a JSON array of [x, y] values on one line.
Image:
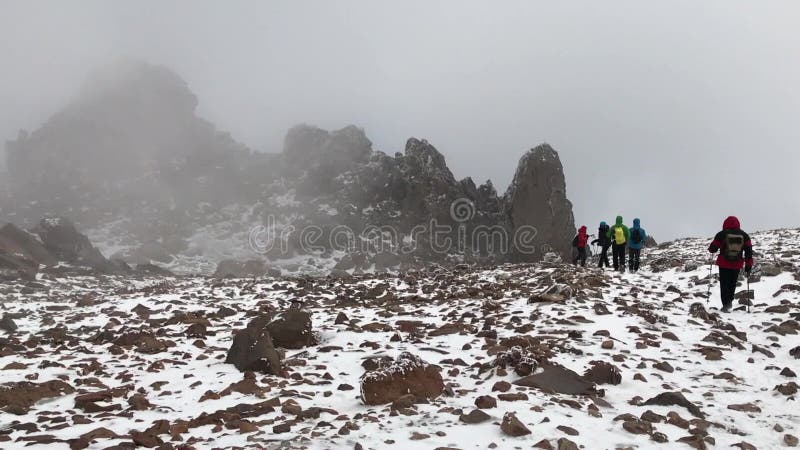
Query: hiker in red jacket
[[579, 242], [735, 252]]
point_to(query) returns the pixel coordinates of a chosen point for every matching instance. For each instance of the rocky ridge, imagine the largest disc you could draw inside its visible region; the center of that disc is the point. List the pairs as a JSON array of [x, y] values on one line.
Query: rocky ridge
[[130, 162]]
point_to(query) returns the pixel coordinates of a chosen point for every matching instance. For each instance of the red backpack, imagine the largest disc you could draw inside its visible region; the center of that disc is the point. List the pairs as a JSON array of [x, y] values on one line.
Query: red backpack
[[582, 239]]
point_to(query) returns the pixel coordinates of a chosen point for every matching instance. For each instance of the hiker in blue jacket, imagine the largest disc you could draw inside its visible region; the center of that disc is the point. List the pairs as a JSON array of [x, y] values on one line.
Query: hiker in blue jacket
[[635, 244]]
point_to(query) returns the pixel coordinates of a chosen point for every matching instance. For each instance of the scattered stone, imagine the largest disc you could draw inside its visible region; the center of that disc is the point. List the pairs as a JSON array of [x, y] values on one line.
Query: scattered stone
[[486, 402], [556, 379], [675, 398], [475, 416], [601, 372], [512, 426]]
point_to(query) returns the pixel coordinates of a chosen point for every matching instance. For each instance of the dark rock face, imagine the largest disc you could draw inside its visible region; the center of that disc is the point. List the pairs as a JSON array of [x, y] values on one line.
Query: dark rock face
[[131, 155], [21, 253], [63, 241], [537, 198]]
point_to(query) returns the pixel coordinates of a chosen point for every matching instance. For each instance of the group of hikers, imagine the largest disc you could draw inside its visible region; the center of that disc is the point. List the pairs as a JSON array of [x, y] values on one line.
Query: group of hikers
[[618, 237], [734, 246]]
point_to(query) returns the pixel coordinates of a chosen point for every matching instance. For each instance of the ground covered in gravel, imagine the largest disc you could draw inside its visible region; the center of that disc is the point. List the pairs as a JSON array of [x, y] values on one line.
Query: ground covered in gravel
[[517, 356]]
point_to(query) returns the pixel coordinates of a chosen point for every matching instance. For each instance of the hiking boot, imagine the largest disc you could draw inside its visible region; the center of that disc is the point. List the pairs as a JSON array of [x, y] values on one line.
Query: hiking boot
[[726, 309]]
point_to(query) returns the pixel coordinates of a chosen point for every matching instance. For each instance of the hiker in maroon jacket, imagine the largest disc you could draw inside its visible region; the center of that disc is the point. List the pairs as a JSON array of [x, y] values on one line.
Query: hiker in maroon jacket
[[579, 242], [735, 252]]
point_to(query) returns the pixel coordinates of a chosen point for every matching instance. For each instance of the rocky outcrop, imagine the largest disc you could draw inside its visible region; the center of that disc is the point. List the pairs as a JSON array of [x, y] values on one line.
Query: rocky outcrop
[[65, 243], [165, 186], [537, 198]]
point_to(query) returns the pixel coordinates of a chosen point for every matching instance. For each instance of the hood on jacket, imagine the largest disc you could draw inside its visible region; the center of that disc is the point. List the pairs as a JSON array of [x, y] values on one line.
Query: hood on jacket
[[619, 220], [582, 230], [636, 223], [731, 223]]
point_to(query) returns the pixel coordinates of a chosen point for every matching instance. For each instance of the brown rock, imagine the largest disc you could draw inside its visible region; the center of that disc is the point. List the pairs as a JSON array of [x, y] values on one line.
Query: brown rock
[[602, 372], [513, 397], [501, 386], [745, 407], [408, 374], [789, 388], [637, 426], [291, 329], [568, 430], [474, 416], [566, 444], [664, 366], [512, 426], [139, 402], [675, 419], [675, 398], [556, 379], [486, 402], [144, 439], [18, 398], [252, 349]]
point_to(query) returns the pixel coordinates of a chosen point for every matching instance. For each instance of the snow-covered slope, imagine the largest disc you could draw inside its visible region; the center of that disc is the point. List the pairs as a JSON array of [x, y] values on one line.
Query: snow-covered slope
[[656, 327]]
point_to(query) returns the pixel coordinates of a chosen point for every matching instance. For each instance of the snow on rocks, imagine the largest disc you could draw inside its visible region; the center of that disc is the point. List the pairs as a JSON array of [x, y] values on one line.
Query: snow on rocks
[[143, 360], [408, 374]]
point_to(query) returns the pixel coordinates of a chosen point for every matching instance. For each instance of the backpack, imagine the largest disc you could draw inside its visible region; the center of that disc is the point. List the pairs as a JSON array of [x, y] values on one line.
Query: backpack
[[619, 235], [733, 246], [636, 235], [602, 235], [582, 240]]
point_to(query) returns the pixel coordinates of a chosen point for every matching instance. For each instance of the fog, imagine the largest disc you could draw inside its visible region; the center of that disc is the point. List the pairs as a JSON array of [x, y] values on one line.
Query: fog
[[679, 113]]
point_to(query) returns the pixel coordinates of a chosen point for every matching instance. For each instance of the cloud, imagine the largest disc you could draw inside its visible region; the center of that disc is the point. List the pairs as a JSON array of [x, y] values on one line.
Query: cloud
[[680, 113]]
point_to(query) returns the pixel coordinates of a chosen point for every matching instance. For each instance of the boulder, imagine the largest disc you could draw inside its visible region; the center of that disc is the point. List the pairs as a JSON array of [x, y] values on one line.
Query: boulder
[[291, 329], [252, 350], [408, 374], [557, 379], [513, 426]]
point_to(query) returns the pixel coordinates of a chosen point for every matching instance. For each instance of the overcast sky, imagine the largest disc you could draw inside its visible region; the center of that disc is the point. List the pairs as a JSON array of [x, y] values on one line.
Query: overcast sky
[[678, 112]]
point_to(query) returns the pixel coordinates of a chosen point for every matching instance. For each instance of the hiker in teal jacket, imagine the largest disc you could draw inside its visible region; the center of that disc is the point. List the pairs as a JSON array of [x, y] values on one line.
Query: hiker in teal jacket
[[619, 235], [635, 244]]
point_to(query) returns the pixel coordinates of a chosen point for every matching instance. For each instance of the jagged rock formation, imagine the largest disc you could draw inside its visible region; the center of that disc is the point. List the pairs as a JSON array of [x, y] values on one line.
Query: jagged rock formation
[[130, 162], [537, 197], [55, 244]]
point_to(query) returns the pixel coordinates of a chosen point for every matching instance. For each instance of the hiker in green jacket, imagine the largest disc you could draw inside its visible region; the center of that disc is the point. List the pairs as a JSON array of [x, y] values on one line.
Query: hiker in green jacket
[[619, 236]]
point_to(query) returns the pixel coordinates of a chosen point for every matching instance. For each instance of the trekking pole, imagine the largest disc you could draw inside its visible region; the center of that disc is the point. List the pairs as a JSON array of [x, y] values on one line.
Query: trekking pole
[[710, 270], [749, 292]]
